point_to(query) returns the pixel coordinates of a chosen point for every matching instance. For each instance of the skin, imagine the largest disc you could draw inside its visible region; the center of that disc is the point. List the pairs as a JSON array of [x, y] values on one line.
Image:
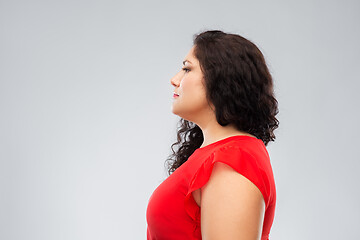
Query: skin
[[232, 207]]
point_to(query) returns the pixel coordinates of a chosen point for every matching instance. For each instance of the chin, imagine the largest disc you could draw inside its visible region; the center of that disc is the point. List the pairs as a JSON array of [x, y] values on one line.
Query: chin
[[176, 111], [173, 110]]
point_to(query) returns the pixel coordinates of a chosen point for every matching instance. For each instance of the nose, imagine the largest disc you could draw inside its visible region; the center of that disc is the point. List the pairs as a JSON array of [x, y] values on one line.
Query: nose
[[175, 81]]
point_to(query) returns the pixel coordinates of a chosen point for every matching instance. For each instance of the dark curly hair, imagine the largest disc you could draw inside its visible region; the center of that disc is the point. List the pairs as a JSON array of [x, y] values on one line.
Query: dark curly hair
[[238, 83]]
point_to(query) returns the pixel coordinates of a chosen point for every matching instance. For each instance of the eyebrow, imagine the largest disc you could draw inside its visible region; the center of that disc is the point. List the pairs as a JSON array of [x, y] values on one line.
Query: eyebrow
[[186, 61]]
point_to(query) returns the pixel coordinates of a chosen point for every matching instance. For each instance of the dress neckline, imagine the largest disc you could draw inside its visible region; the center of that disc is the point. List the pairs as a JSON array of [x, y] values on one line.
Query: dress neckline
[[225, 140]]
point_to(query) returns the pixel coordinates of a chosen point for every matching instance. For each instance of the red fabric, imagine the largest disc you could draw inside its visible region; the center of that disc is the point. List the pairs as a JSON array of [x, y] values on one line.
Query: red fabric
[[172, 212]]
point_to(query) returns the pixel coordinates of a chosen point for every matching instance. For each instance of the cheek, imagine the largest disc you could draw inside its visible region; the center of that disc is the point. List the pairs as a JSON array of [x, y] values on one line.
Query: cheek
[[194, 94], [192, 84]]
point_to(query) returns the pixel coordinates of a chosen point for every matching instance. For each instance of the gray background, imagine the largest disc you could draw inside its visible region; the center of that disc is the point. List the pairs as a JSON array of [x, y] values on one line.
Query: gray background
[[86, 122]]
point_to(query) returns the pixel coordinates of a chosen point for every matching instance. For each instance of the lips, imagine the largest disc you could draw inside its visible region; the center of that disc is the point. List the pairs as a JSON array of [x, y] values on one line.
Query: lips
[[175, 94]]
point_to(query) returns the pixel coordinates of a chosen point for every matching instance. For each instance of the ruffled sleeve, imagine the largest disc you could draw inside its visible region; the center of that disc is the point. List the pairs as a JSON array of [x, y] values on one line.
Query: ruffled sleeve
[[242, 161]]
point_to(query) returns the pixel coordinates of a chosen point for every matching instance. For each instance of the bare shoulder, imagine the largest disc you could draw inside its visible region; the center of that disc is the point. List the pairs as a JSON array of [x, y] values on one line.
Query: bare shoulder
[[232, 207]]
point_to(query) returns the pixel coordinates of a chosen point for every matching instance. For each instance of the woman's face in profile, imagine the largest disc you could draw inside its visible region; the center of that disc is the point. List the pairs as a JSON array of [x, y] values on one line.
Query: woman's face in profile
[[191, 101]]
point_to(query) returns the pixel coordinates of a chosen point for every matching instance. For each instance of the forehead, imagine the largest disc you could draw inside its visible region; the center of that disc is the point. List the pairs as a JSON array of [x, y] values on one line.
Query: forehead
[[190, 57]]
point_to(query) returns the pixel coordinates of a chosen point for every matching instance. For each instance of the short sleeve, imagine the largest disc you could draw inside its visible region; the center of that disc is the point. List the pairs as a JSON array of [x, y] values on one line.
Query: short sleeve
[[240, 160]]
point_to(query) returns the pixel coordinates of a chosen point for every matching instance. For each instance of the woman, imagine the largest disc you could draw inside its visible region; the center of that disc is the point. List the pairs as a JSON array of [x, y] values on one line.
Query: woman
[[221, 184]]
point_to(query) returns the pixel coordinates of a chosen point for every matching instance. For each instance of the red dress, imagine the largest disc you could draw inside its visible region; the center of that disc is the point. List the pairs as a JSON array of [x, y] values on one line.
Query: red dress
[[172, 212]]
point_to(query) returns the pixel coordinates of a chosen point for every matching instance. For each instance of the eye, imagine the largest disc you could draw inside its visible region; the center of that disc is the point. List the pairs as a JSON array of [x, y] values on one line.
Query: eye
[[185, 69]]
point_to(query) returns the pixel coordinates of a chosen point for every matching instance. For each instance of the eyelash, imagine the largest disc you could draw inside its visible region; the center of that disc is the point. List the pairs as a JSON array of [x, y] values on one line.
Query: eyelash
[[186, 69]]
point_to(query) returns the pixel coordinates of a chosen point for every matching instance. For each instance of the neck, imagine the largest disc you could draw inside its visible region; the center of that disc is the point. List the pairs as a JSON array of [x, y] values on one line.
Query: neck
[[213, 131]]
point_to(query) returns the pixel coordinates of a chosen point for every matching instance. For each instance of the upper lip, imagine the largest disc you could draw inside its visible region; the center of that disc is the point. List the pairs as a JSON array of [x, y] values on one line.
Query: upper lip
[[176, 93]]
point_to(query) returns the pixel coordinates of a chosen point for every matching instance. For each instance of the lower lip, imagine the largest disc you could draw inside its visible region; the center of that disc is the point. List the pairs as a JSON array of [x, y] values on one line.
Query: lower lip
[[175, 96]]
